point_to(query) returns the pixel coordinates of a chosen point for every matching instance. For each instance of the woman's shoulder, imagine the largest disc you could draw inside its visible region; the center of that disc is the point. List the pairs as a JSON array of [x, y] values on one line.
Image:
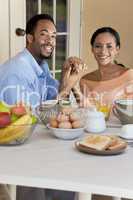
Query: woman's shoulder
[[129, 72]]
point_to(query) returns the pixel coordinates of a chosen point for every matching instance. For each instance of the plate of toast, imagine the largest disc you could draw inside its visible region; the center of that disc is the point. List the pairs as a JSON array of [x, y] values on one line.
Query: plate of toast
[[101, 144]]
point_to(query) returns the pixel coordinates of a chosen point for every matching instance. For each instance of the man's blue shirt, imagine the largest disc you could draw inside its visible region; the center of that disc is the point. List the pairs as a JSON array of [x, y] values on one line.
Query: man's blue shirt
[[23, 79]]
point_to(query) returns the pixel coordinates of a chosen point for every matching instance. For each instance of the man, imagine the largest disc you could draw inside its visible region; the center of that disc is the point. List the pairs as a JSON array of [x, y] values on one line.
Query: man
[[26, 78]]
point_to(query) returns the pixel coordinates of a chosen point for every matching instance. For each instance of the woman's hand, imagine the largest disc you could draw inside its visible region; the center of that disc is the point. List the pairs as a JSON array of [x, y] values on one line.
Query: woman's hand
[[74, 66], [72, 71]]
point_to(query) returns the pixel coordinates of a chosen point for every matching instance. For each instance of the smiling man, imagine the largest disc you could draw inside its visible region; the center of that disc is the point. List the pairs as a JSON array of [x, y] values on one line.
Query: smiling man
[[26, 77]]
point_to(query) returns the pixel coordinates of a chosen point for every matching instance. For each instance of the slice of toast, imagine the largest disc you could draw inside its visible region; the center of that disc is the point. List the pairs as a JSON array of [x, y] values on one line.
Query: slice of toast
[[117, 143], [97, 142]]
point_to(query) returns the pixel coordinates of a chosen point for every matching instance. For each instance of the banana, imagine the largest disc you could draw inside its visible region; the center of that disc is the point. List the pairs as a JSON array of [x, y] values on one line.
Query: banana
[[16, 129], [20, 134]]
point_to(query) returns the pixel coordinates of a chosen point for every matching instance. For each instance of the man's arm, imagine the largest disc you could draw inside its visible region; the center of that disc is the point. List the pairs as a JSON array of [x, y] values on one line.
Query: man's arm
[[13, 90], [52, 84], [52, 88]]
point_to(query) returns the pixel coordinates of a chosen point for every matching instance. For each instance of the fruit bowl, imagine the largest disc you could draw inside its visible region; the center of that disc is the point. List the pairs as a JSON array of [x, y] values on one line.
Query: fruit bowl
[[16, 123], [66, 134], [16, 135], [17, 132]]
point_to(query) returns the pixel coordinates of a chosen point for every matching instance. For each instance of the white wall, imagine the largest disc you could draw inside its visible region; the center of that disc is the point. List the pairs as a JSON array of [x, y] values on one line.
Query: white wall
[[115, 13]]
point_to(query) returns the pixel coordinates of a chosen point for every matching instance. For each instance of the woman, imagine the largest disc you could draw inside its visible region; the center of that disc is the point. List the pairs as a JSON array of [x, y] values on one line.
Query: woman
[[111, 80]]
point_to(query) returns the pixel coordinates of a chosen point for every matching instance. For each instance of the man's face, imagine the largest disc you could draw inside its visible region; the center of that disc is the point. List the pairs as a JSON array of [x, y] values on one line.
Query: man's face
[[42, 42]]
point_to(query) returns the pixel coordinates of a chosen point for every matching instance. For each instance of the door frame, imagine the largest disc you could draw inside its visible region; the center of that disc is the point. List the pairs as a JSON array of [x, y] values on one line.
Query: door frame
[[18, 19]]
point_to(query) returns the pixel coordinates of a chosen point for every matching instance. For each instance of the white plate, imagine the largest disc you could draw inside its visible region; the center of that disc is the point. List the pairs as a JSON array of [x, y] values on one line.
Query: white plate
[[99, 152]]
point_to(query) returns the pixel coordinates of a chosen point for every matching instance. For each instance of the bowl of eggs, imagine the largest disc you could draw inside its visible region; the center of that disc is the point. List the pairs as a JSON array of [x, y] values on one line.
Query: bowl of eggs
[[66, 126]]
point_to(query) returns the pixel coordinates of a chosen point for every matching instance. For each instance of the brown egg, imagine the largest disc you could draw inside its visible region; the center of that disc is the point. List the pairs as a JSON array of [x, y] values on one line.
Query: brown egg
[[65, 125], [62, 117], [66, 109], [76, 124], [74, 117], [53, 117], [53, 123]]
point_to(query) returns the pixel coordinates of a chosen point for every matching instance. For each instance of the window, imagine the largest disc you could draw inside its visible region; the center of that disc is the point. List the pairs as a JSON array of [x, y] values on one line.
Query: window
[[66, 14]]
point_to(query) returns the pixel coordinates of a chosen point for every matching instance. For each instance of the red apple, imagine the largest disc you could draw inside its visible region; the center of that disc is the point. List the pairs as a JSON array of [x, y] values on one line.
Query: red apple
[[18, 110], [5, 119]]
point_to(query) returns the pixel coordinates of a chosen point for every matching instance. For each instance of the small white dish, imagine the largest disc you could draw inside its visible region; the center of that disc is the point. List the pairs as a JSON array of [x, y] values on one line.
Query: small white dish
[[49, 103], [66, 134], [127, 131]]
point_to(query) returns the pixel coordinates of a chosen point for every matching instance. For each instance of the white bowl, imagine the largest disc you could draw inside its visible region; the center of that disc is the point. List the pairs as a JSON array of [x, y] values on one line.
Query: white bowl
[[66, 134], [123, 110], [127, 131]]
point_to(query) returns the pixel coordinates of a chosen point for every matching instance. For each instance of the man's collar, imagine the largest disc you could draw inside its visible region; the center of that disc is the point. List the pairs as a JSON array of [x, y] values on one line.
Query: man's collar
[[39, 69]]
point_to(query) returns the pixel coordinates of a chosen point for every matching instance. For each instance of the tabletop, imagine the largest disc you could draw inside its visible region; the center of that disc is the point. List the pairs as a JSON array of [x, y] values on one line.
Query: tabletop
[[47, 162]]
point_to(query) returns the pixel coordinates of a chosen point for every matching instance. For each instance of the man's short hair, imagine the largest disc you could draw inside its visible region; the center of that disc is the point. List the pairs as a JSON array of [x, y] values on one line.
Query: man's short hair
[[31, 24]]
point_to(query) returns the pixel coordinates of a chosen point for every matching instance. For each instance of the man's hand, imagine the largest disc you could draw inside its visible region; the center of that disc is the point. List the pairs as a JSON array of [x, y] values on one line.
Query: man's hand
[[73, 70], [75, 66]]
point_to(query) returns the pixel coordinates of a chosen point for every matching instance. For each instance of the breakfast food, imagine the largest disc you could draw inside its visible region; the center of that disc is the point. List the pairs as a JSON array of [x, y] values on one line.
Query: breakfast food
[[117, 143], [65, 124], [16, 130], [97, 142], [76, 124], [66, 120], [66, 109], [74, 117], [15, 122], [62, 117], [53, 123], [103, 142]]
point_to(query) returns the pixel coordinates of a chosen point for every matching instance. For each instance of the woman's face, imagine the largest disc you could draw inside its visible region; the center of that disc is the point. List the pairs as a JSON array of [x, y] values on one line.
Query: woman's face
[[105, 49]]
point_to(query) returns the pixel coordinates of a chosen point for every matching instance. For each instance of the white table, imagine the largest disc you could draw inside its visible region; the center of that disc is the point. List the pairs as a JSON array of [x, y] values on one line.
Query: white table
[[47, 162]]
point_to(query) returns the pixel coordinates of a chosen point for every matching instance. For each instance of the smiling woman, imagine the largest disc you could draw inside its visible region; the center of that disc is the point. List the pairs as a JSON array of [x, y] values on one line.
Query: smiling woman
[[111, 80]]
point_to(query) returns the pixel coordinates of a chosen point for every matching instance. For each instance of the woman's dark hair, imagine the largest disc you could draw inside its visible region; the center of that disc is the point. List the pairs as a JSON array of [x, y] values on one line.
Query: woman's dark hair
[[110, 30], [31, 24]]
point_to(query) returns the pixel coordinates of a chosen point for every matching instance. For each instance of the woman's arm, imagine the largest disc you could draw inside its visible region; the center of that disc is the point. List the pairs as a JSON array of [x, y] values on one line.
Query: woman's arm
[[81, 92]]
